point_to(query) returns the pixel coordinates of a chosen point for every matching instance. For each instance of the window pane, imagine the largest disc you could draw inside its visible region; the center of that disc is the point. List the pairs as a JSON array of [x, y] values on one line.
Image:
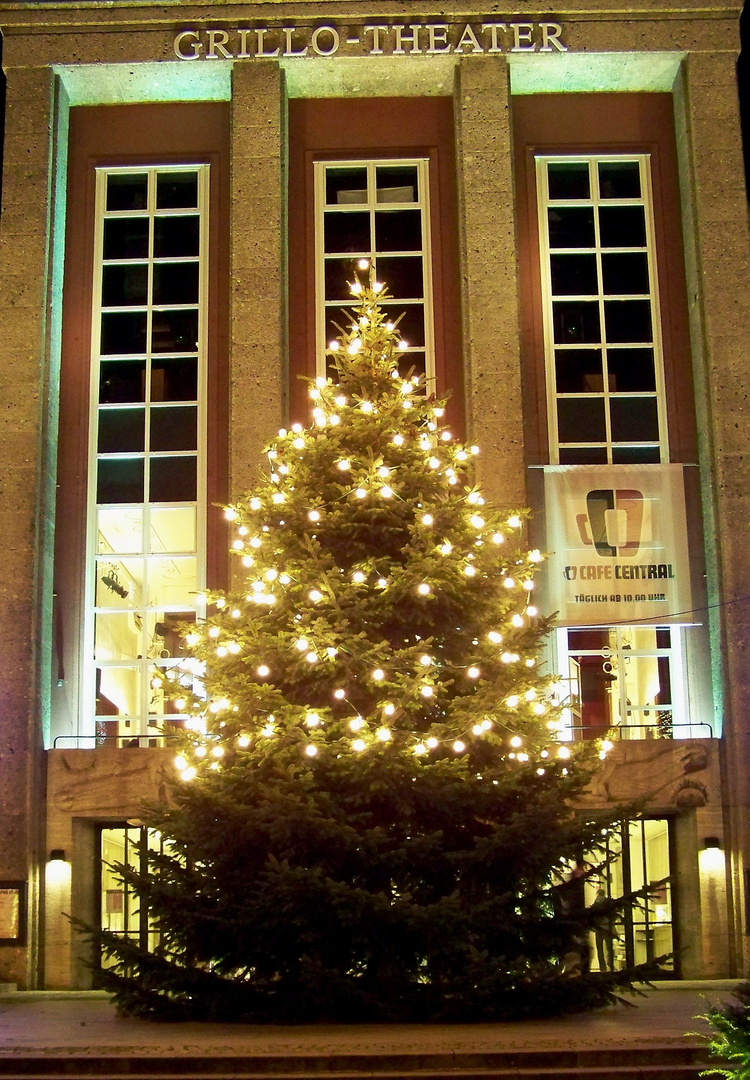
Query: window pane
[[583, 455], [173, 528], [123, 332], [176, 283], [396, 183], [118, 691], [625, 273], [628, 320], [573, 275], [411, 325], [579, 371], [568, 180], [172, 582], [636, 455], [346, 186], [619, 180], [410, 364], [176, 190], [174, 331], [126, 238], [634, 419], [121, 431], [119, 583], [403, 276], [575, 321], [174, 380], [174, 429], [121, 380], [398, 230], [118, 636], [173, 479], [120, 530], [347, 232], [123, 286], [120, 481], [631, 369], [571, 227], [176, 237], [338, 274], [127, 191], [581, 420], [622, 226]]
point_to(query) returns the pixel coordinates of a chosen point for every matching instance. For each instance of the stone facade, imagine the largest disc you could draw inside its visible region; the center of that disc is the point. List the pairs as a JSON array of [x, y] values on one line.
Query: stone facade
[[57, 57]]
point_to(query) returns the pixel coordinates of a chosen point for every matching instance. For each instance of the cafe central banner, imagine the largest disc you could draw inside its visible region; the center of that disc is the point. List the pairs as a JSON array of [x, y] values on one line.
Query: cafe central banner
[[617, 544]]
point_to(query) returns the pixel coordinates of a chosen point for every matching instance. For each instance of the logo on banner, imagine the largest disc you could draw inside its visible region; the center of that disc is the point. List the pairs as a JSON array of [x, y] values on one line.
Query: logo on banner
[[613, 522]]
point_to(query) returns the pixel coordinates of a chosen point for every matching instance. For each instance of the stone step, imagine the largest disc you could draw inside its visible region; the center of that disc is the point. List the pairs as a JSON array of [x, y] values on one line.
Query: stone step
[[648, 1063]]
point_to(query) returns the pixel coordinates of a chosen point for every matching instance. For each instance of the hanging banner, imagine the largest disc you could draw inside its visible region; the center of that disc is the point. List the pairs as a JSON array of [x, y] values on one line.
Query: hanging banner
[[617, 544]]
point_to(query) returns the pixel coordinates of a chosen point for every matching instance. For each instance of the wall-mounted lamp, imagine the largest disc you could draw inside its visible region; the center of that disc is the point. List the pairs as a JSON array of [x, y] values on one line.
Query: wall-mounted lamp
[[58, 868], [57, 854], [711, 856]]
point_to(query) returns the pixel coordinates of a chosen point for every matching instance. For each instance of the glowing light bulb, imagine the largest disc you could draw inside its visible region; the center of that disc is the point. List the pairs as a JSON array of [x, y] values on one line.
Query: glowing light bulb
[[507, 657], [470, 570], [363, 265], [315, 595], [382, 582], [389, 709], [386, 491], [420, 749], [512, 701], [427, 692], [311, 749], [344, 464], [514, 521], [356, 723], [474, 450], [284, 579], [189, 774], [563, 753], [384, 471], [214, 632], [459, 746], [218, 751], [243, 741], [180, 762], [509, 583], [517, 620], [360, 493], [403, 345], [358, 745], [425, 660], [358, 577], [398, 440], [263, 670], [230, 513], [192, 639], [298, 443], [339, 694], [367, 406], [427, 519], [312, 719], [312, 658], [434, 463], [473, 673], [516, 741], [383, 734], [378, 674], [494, 637], [446, 548]]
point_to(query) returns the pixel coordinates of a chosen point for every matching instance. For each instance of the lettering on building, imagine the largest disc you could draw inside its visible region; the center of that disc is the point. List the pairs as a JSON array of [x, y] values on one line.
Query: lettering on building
[[371, 39]]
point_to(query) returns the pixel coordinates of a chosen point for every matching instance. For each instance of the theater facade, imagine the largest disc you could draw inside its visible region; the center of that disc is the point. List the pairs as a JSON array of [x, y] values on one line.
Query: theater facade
[[556, 201]]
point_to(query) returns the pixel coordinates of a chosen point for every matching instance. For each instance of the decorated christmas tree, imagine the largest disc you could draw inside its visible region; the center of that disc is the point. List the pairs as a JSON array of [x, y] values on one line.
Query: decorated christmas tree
[[372, 816]]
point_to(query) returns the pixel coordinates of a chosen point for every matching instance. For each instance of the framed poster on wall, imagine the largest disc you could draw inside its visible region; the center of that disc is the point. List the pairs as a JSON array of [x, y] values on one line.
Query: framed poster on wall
[[12, 912]]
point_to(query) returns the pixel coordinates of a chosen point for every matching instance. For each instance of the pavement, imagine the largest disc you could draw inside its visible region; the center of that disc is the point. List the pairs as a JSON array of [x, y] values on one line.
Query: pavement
[[85, 1023]]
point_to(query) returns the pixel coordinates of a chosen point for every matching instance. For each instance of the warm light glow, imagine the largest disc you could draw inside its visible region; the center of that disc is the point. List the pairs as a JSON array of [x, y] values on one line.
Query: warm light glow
[[470, 570], [423, 589], [315, 595], [427, 692], [428, 519], [356, 723], [311, 750], [358, 745], [459, 746], [344, 464], [514, 521], [312, 719], [360, 493], [473, 672], [378, 674], [516, 741], [264, 670], [383, 734], [425, 660], [314, 515]]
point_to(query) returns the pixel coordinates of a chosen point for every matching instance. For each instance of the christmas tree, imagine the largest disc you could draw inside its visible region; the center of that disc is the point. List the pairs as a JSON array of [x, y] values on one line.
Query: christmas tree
[[373, 816]]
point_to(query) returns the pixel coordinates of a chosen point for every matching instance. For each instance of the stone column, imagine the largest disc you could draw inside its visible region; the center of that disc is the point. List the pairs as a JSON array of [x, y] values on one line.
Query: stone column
[[489, 276], [23, 459], [258, 361], [718, 265]]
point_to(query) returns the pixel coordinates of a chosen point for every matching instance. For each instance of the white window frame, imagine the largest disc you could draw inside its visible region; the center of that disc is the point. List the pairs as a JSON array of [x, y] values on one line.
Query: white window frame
[[140, 725], [646, 200], [422, 164]]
